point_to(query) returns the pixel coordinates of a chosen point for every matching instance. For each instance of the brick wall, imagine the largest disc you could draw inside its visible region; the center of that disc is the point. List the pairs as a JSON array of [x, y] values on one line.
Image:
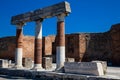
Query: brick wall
[[47, 45], [81, 46], [72, 46], [98, 47], [8, 47], [115, 35]]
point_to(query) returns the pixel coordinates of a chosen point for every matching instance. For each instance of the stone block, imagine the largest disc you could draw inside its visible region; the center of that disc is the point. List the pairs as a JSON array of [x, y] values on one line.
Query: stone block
[[47, 63], [104, 64], [70, 60], [27, 62], [3, 63], [86, 68], [11, 64]]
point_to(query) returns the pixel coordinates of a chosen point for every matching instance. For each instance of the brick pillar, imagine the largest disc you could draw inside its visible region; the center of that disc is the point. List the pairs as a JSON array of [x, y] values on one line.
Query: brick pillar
[[60, 54], [38, 46], [19, 46]]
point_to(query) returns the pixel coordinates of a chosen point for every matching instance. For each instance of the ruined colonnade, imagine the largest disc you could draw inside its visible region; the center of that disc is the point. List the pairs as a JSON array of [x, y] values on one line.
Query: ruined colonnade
[[20, 20]]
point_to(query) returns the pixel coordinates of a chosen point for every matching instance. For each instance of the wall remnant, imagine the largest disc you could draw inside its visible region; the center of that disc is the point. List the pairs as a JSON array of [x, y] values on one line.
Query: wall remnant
[[80, 46]]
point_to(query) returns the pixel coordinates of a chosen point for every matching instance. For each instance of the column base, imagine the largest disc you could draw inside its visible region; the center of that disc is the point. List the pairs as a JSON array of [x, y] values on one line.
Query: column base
[[38, 67], [18, 67], [60, 58], [60, 69]]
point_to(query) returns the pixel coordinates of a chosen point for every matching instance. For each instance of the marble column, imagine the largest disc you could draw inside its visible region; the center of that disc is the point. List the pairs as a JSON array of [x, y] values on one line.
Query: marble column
[[38, 45], [19, 46], [60, 54]]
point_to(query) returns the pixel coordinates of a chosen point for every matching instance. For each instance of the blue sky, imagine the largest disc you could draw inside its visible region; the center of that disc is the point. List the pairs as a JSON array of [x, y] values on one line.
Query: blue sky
[[86, 16]]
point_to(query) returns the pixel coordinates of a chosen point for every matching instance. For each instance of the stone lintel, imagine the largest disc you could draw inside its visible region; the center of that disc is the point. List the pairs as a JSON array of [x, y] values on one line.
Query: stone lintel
[[47, 12]]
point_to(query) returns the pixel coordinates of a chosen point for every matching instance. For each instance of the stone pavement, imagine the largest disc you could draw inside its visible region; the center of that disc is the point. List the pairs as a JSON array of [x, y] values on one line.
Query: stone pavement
[[113, 73]]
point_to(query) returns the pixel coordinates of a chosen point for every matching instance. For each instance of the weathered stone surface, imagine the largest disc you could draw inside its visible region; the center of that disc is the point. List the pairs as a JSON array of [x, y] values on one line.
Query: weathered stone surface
[[47, 63], [28, 63], [70, 60], [104, 65], [11, 64], [3, 63], [47, 75], [88, 68], [47, 12]]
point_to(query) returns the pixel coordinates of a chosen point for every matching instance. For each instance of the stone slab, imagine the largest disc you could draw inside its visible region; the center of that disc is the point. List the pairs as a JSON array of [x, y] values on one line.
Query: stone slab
[[87, 68], [104, 64], [47, 63], [28, 62], [3, 63], [70, 60]]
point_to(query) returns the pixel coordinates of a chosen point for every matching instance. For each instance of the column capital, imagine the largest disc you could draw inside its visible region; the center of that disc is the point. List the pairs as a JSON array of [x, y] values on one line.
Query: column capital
[[38, 30], [20, 25], [61, 17], [39, 20]]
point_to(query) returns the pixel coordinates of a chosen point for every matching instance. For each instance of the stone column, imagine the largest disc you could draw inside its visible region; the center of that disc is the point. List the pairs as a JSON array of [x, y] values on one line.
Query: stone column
[[19, 46], [60, 54], [38, 45]]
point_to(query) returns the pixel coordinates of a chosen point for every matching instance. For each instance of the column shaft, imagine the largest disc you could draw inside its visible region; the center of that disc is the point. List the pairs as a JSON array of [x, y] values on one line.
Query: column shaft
[[60, 56], [38, 51], [38, 46], [19, 46]]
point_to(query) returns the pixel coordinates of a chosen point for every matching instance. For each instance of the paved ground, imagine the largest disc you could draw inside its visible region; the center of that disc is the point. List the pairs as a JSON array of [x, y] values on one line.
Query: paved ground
[[112, 72]]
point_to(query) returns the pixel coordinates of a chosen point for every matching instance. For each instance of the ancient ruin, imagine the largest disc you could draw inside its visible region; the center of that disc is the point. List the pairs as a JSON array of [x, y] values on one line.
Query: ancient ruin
[[80, 46], [60, 10], [64, 56]]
